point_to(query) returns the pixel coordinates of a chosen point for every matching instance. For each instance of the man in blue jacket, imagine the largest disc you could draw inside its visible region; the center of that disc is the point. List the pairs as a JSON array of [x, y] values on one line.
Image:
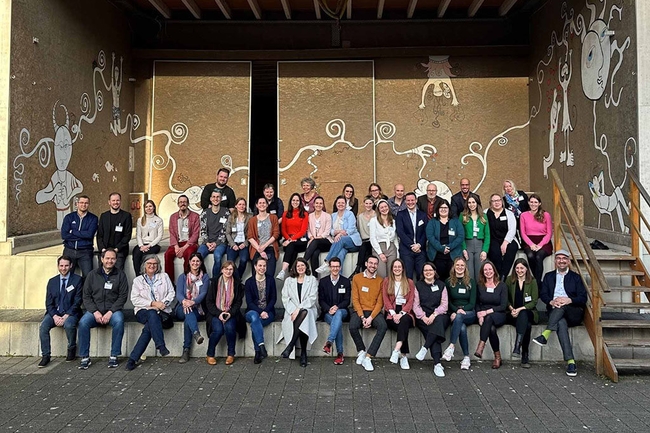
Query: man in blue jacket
[[411, 225], [63, 308], [565, 297], [78, 233], [334, 298]]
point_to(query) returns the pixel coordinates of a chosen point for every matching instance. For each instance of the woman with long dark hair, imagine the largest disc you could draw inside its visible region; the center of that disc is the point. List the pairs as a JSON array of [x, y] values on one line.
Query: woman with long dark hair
[[522, 305], [295, 222], [536, 229], [191, 289]]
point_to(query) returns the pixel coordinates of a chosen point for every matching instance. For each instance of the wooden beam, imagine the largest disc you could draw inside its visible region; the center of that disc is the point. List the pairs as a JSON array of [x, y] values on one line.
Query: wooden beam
[[349, 7], [474, 7], [506, 6], [255, 7], [442, 8], [191, 5], [162, 8], [225, 9], [380, 9], [287, 8], [411, 8], [317, 9]]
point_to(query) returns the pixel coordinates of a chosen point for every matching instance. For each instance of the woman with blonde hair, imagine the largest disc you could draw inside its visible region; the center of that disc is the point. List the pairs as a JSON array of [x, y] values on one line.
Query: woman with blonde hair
[[383, 237], [149, 233], [236, 231], [398, 292], [477, 235]]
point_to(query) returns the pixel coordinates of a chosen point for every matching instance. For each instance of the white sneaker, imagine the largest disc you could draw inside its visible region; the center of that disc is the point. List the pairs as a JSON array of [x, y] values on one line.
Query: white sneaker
[[367, 364], [394, 357], [360, 357], [404, 363], [281, 275], [439, 370], [323, 269], [465, 364], [421, 354], [449, 353]]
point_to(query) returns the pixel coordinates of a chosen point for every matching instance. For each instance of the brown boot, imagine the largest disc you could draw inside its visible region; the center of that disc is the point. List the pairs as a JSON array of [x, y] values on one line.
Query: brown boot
[[497, 360], [479, 349]]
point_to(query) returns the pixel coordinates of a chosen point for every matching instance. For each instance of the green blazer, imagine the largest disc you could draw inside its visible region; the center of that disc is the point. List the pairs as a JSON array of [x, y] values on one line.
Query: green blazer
[[530, 289], [483, 232]]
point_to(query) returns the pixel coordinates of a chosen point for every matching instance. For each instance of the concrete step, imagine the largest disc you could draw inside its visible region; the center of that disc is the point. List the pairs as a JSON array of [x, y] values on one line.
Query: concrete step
[[627, 305], [626, 324], [632, 364], [618, 273], [612, 257], [626, 342], [627, 288]]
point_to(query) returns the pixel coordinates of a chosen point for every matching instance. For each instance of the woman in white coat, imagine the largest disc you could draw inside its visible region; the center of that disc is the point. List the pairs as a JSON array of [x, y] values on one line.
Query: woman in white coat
[[300, 300]]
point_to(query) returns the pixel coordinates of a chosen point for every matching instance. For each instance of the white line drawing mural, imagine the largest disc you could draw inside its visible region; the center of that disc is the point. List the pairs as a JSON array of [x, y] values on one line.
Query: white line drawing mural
[[439, 73], [555, 114], [116, 89], [565, 71], [443, 189]]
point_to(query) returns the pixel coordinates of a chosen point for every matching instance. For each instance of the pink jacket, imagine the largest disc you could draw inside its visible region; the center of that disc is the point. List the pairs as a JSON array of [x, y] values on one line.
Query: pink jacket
[[194, 226]]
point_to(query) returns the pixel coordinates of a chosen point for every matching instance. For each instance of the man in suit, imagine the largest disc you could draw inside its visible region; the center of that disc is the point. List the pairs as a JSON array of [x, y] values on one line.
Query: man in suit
[[565, 297], [78, 233], [334, 298], [63, 308], [459, 200], [115, 230], [430, 202], [411, 225], [184, 230]]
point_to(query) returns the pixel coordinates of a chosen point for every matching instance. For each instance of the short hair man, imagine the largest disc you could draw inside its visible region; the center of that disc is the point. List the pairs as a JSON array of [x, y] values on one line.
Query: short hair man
[[78, 234], [396, 203], [565, 297], [115, 229], [367, 303], [184, 230], [411, 226], [334, 298], [62, 309], [221, 185], [459, 200], [212, 236], [430, 202], [104, 294], [275, 204]]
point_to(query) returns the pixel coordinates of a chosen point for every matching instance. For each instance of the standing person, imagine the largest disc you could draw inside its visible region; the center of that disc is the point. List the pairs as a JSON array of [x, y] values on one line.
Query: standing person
[[411, 226], [294, 233], [149, 233], [462, 301], [565, 297], [184, 229], [151, 295], [445, 236], [351, 202], [309, 194], [261, 295], [191, 289], [430, 308], [490, 310], [115, 229], [363, 225], [477, 236], [105, 292], [536, 230], [334, 299], [396, 202], [345, 235], [522, 306], [318, 232], [459, 200], [503, 228], [223, 303], [62, 309], [516, 201], [429, 202], [221, 185], [78, 233], [212, 238], [374, 191], [383, 237], [263, 232], [236, 235], [300, 300], [367, 302], [275, 206], [398, 293]]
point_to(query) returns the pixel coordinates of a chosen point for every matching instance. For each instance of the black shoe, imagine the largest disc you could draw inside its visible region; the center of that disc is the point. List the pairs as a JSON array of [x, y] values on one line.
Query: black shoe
[[258, 357], [287, 352], [198, 337], [572, 370], [44, 361], [131, 365], [72, 354], [516, 351], [163, 351], [541, 340], [185, 357], [303, 358], [525, 361], [263, 351]]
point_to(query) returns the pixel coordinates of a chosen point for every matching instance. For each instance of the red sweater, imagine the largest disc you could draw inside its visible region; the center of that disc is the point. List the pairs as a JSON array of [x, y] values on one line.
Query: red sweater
[[294, 228]]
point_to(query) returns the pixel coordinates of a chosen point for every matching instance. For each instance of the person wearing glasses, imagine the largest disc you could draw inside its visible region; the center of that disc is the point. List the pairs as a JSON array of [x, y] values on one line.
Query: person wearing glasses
[[351, 202], [374, 191], [445, 236]]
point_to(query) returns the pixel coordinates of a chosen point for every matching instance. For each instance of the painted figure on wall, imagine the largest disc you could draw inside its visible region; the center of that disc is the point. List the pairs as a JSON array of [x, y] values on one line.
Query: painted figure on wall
[[565, 70], [555, 116], [116, 89], [439, 73]]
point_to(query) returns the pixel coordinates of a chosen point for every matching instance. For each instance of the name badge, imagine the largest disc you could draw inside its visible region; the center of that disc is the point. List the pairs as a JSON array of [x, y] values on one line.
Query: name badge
[[307, 207], [198, 283], [108, 285], [435, 288], [303, 239], [317, 225], [234, 229], [365, 289], [476, 229], [400, 301], [462, 291], [452, 232], [503, 218], [152, 225], [420, 223], [490, 290], [273, 212], [342, 290], [69, 289], [222, 220], [528, 298], [520, 198], [185, 229], [224, 198], [119, 228]]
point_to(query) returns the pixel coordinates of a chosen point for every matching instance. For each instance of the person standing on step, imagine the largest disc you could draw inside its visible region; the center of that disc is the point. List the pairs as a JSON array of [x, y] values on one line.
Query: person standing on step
[[115, 229], [78, 234], [212, 237], [411, 226], [221, 186]]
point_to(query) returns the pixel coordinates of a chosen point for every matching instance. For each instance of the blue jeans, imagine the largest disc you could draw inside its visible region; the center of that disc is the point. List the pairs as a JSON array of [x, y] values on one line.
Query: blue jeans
[[152, 330], [190, 323], [459, 330], [243, 260], [88, 321], [218, 329], [70, 327], [336, 324], [341, 248], [257, 326], [218, 253]]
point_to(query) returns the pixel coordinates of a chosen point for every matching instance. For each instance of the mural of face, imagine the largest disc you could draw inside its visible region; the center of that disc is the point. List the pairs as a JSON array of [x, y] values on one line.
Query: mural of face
[[596, 57], [62, 141]]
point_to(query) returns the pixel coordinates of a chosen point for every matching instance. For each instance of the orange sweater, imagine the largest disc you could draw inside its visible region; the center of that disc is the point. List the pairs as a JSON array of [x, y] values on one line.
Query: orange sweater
[[366, 295]]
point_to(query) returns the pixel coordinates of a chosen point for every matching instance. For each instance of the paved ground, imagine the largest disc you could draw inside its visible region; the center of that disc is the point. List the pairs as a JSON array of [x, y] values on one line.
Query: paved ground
[[279, 395]]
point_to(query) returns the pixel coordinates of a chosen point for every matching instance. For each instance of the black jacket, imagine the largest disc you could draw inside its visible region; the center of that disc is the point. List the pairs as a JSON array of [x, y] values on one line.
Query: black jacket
[[329, 295], [122, 238]]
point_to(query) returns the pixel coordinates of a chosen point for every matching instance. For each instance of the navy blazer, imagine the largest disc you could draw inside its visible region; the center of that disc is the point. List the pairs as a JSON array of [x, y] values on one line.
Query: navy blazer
[[252, 295], [72, 299], [405, 229], [328, 295], [573, 285]]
